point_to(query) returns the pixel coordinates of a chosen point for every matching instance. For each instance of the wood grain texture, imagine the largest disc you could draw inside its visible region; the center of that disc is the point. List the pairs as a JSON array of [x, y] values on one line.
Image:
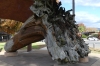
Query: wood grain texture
[[15, 9]]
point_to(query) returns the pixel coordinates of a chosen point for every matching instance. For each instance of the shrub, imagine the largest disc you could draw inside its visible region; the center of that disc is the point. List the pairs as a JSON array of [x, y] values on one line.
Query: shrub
[[95, 35], [84, 36]]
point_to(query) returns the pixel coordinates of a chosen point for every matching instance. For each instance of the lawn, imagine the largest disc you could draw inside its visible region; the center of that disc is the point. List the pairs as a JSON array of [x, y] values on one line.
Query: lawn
[[2, 44], [94, 50], [36, 45], [39, 45]]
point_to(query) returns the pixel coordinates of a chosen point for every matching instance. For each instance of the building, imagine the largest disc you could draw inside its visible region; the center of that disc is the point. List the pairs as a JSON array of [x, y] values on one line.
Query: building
[[92, 29], [4, 36]]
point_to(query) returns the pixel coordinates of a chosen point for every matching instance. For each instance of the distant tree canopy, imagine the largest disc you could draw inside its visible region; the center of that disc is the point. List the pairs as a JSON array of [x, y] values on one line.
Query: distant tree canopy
[[10, 26], [81, 27]]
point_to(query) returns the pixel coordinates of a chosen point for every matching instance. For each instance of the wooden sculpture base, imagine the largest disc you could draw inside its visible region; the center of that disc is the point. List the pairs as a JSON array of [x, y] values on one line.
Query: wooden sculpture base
[[85, 59], [10, 54]]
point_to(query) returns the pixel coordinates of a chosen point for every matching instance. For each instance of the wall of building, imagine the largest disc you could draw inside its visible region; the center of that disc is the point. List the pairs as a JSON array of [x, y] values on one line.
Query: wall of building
[[4, 37]]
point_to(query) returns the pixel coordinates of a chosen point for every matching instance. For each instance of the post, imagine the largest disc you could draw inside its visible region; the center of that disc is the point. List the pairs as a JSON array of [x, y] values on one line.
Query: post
[[73, 8], [29, 47], [2, 37], [94, 45]]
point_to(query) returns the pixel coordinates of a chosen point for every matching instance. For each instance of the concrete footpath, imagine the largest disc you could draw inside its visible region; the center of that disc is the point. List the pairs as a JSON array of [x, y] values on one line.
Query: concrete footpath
[[41, 58]]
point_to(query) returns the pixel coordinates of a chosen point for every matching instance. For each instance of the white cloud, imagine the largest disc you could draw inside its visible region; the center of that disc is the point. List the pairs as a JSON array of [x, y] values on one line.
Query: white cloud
[[94, 3], [90, 20], [87, 19], [96, 25], [86, 16]]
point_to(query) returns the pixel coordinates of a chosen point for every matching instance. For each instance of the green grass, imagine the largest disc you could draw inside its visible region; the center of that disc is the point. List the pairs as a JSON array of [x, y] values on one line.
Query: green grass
[[2, 45], [94, 50], [39, 45], [36, 45]]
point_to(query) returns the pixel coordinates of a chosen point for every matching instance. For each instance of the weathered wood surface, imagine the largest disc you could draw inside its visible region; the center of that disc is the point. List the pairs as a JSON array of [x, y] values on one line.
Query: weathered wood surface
[[63, 43], [57, 26], [15, 9], [31, 31]]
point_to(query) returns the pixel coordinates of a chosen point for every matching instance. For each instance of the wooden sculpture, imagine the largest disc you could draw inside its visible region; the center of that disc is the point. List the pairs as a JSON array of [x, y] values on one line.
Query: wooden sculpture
[[50, 21]]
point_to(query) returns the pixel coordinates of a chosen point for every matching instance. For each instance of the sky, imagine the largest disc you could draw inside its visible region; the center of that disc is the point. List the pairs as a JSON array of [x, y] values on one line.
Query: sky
[[86, 11]]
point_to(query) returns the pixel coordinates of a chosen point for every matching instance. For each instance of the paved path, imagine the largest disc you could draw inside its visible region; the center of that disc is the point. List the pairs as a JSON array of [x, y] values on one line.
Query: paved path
[[41, 58]]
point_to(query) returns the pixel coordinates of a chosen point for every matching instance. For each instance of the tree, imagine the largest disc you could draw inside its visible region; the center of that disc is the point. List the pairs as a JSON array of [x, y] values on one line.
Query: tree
[[81, 27], [10, 26]]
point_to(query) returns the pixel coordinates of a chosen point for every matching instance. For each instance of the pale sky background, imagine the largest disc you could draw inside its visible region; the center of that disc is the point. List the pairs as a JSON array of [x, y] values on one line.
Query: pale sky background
[[86, 11]]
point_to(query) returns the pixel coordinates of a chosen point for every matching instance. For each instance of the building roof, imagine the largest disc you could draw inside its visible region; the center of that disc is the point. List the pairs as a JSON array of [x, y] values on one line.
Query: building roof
[[2, 33]]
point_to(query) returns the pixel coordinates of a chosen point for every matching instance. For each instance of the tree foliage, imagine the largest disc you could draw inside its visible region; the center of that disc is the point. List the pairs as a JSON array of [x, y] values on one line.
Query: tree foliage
[[81, 27], [10, 26]]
